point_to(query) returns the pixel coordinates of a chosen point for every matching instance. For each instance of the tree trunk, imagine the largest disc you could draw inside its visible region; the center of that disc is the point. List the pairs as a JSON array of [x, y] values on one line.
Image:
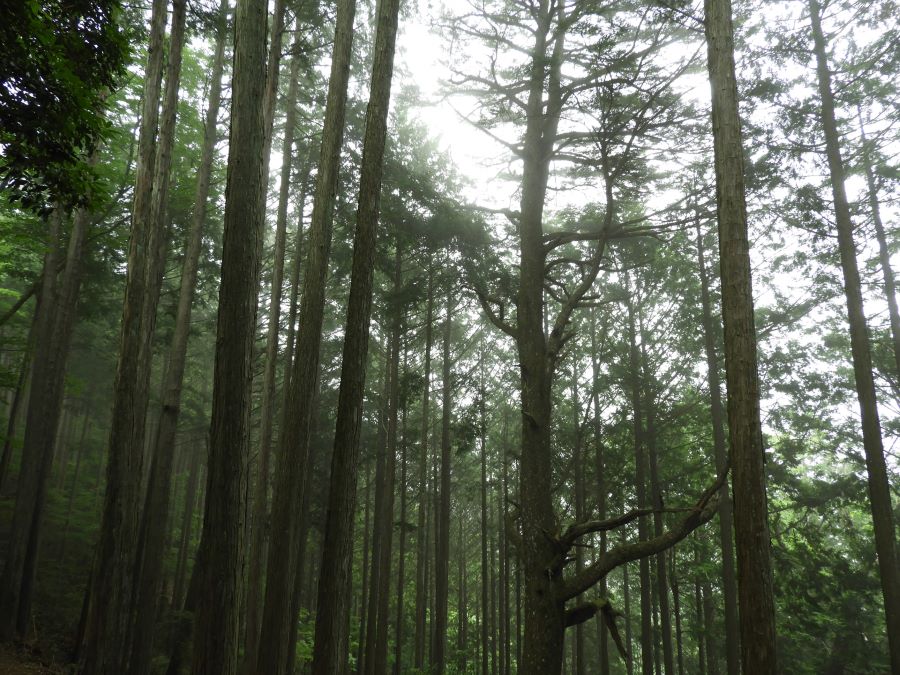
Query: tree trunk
[[726, 542], [422, 521], [18, 397], [884, 256], [258, 519], [484, 522], [755, 596], [294, 435], [442, 542], [109, 610], [640, 463], [333, 615], [879, 488], [150, 550], [600, 470], [364, 591], [401, 557], [187, 522], [220, 558], [378, 541]]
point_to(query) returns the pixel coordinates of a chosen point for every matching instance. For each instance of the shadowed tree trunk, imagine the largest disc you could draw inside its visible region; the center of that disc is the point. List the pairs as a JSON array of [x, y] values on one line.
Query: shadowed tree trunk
[[422, 507], [879, 488], [220, 557], [155, 515], [720, 451], [442, 541], [109, 612], [258, 518], [53, 332], [294, 435], [333, 615], [755, 596]]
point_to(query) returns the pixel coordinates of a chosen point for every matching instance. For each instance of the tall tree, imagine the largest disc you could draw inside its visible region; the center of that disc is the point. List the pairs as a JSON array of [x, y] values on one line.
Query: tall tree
[[755, 595], [220, 558], [332, 620], [879, 487], [109, 611], [294, 438]]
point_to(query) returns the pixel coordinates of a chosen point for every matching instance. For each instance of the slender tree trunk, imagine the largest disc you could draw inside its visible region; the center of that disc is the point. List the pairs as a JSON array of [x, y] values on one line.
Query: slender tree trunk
[[187, 521], [378, 542], [258, 520], [422, 521], [333, 609], [37, 450], [626, 600], [220, 558], [676, 608], [712, 660], [295, 286], [662, 584], [884, 256], [600, 471], [640, 463], [376, 660], [484, 521], [401, 557], [18, 397], [879, 488], [364, 591], [294, 435], [79, 455], [729, 583], [579, 667], [442, 543], [150, 550], [755, 595]]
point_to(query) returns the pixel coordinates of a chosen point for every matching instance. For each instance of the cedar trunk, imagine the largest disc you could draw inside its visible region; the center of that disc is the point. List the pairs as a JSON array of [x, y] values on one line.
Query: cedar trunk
[[755, 596], [220, 558], [879, 488], [333, 615]]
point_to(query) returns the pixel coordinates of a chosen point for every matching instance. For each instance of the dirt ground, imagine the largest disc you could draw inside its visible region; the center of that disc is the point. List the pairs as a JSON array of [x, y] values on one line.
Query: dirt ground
[[15, 661]]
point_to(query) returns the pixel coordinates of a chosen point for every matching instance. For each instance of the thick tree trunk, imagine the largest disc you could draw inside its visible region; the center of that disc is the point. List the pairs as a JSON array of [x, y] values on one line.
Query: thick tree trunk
[[364, 591], [333, 610], [879, 488], [485, 578], [154, 518], [220, 558], [421, 634], [109, 611], [53, 337], [720, 450], [755, 596], [442, 541], [258, 520], [295, 433]]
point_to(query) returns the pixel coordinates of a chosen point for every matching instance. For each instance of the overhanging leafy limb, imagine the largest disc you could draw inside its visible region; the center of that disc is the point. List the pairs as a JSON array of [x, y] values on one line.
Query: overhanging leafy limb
[[702, 511]]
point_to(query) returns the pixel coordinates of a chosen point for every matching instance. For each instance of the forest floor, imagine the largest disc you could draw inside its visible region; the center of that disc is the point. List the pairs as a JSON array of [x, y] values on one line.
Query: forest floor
[[15, 660]]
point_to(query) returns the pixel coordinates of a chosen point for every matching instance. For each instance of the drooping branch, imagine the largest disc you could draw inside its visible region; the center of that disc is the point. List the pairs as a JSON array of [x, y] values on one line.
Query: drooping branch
[[702, 511], [586, 611]]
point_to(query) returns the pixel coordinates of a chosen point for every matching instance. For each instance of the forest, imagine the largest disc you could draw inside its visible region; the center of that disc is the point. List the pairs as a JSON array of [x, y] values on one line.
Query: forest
[[472, 336]]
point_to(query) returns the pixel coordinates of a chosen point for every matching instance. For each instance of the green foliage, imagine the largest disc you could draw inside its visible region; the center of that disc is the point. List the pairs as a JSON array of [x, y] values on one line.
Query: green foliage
[[60, 61]]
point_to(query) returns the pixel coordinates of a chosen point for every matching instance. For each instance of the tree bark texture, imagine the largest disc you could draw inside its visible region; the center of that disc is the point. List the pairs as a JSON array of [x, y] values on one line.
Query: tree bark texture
[[879, 487], [109, 611], [754, 574], [220, 558], [294, 437], [333, 616]]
